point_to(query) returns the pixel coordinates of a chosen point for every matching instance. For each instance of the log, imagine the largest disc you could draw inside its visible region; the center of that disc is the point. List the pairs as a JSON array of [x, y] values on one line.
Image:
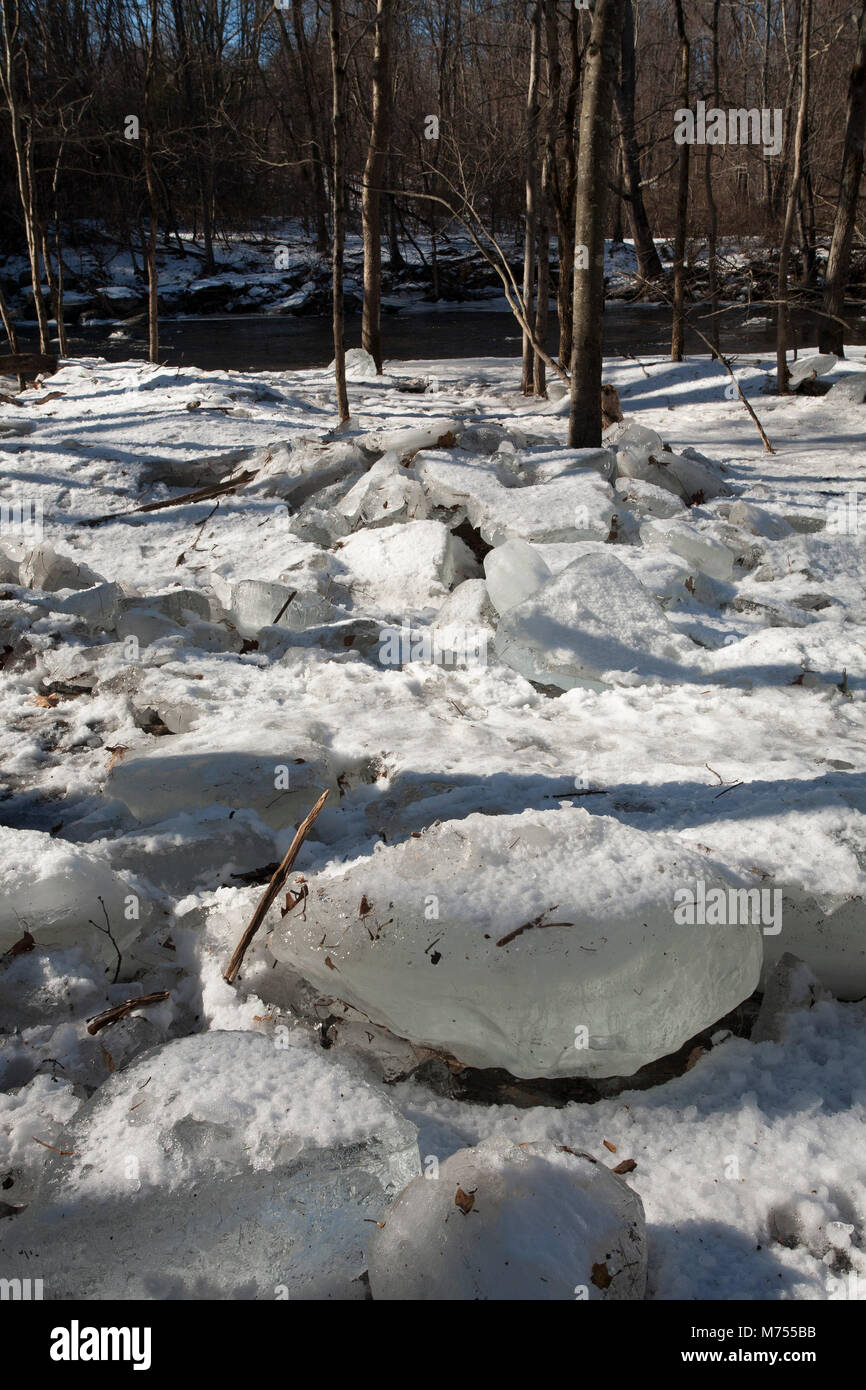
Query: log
[[27, 363]]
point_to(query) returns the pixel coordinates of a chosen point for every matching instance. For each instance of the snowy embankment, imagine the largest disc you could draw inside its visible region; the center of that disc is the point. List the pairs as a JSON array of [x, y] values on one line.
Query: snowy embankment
[[592, 725]]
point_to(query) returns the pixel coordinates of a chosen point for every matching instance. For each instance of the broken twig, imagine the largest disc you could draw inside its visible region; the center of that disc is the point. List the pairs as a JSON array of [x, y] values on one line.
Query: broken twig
[[120, 1011], [270, 893]]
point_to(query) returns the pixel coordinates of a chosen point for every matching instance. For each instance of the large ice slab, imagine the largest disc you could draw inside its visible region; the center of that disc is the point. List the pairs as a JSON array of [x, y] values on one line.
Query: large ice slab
[[386, 494], [593, 623], [544, 943], [534, 1221], [274, 768], [573, 506], [514, 571], [400, 569], [217, 1166]]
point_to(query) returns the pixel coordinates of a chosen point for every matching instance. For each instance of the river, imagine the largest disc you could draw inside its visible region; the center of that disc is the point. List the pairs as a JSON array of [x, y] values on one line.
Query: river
[[270, 342]]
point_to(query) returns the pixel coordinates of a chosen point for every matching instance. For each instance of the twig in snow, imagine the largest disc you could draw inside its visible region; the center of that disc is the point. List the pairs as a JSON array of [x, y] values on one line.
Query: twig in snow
[[270, 893], [121, 1010]]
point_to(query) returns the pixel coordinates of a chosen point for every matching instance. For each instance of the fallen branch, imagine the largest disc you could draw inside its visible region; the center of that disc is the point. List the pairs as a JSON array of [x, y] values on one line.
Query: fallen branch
[[201, 494], [270, 893], [120, 1011]]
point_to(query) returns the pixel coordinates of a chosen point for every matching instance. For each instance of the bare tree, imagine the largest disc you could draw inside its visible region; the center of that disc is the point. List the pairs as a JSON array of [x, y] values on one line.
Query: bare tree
[[371, 197], [531, 180], [648, 263], [338, 198], [600, 70], [791, 209], [838, 265], [679, 317]]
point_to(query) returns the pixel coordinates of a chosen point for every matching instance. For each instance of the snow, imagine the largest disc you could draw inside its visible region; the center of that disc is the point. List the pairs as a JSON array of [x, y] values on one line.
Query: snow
[[707, 722]]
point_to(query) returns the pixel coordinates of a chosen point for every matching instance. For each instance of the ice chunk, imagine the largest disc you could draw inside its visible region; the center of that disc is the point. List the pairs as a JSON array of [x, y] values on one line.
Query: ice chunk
[[360, 365], [467, 606], [98, 607], [556, 947], [255, 604], [424, 435], [297, 473], [273, 768], [699, 481], [191, 850], [808, 368], [758, 521], [400, 569], [592, 623], [698, 548], [640, 453], [385, 495], [574, 506], [62, 895], [545, 464], [44, 568], [851, 388], [512, 1222], [648, 499], [513, 572], [220, 1165], [8, 568]]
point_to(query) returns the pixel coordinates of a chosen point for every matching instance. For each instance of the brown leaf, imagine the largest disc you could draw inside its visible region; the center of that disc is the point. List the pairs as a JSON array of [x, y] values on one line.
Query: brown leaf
[[117, 752], [628, 1165], [45, 701], [694, 1056], [26, 943], [330, 964], [600, 1277], [465, 1200], [446, 440], [107, 1058], [609, 1145], [365, 907]]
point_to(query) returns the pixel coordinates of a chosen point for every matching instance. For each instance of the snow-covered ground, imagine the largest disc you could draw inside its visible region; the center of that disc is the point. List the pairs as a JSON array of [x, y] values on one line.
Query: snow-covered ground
[[658, 695]]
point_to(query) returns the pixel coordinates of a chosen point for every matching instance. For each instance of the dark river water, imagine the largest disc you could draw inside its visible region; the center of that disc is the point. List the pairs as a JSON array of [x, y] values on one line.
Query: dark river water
[[263, 342]]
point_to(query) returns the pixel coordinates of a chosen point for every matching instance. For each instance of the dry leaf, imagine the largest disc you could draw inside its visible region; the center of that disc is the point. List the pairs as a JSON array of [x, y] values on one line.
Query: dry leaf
[[465, 1200], [117, 752], [365, 907], [107, 1058], [628, 1165], [600, 1276], [694, 1056], [46, 701], [609, 1145]]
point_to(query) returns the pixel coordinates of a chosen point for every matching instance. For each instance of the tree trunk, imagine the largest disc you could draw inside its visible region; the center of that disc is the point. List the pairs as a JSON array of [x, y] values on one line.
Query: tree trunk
[[150, 182], [585, 424], [317, 162], [679, 320], [531, 219], [836, 277], [338, 196], [564, 174], [712, 210], [648, 263], [791, 209], [371, 198]]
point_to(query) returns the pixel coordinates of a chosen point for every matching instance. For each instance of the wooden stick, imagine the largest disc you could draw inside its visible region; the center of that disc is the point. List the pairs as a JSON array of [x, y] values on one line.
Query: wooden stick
[[270, 893], [201, 494], [121, 1010]]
